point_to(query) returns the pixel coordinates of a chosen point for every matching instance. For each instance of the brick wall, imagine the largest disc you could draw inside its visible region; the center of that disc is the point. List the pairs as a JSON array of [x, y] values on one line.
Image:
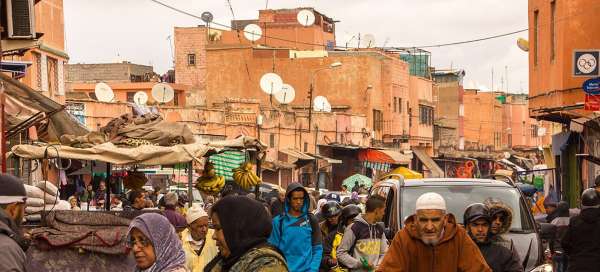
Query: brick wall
[[191, 41], [107, 72]]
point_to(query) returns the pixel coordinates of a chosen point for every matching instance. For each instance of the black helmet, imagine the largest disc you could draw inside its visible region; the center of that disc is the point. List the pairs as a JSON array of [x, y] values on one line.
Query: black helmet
[[331, 209], [590, 198], [476, 211], [350, 211]]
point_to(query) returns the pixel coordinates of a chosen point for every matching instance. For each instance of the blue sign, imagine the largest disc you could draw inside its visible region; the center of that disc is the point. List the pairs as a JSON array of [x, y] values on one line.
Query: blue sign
[[592, 86]]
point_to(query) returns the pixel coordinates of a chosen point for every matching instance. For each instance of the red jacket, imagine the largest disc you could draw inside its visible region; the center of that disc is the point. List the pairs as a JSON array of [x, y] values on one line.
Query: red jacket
[[455, 251]]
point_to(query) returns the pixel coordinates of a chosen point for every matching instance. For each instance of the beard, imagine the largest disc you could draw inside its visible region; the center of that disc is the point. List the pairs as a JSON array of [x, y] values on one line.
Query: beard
[[430, 241]]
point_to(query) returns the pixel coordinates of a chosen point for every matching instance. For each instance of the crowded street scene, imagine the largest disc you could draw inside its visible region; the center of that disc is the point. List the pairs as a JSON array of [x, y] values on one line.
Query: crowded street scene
[[300, 136]]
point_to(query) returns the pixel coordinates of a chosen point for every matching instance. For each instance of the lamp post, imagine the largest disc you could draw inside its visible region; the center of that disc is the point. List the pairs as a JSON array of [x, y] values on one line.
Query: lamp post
[[310, 110]]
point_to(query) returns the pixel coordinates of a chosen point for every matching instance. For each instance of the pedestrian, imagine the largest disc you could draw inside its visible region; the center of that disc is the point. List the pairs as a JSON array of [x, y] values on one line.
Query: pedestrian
[[12, 210], [88, 195], [296, 232], [501, 219], [364, 243], [330, 211], [580, 241], [317, 211], [100, 196], [477, 221], [550, 205], [242, 227], [344, 189], [561, 221], [356, 186], [156, 247], [73, 201], [198, 244], [334, 239], [176, 219], [277, 205], [137, 200], [431, 240]]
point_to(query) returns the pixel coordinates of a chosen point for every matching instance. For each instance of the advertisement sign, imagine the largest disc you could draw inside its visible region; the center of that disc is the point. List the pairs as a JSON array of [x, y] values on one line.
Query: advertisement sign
[[585, 62], [592, 102], [592, 86]]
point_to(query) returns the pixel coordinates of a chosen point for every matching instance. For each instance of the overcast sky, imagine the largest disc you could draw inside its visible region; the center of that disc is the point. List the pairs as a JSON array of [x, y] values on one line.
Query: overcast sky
[[138, 30]]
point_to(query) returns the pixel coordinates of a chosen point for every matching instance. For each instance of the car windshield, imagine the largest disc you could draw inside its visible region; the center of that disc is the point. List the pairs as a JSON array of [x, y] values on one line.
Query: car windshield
[[460, 196]]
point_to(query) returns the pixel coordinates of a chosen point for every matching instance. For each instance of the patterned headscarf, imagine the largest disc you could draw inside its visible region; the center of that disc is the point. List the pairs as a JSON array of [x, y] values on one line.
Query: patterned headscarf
[[167, 246]]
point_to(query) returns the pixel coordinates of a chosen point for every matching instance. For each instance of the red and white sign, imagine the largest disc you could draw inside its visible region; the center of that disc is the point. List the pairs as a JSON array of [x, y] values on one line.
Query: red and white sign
[[592, 102]]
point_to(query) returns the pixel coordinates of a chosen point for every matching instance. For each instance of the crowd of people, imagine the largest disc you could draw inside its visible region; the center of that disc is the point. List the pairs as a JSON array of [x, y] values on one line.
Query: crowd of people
[[239, 233]]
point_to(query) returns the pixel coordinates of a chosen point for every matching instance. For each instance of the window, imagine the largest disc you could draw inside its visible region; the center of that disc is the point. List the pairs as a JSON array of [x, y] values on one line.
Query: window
[[425, 115], [305, 147], [534, 129], [176, 99], [52, 76], [377, 120], [395, 105], [92, 95], [552, 30], [38, 71], [191, 59], [272, 140], [400, 105], [130, 96], [535, 37]]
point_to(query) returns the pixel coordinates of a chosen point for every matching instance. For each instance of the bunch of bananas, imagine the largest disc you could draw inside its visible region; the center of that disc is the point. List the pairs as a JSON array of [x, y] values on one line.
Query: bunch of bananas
[[134, 180], [210, 182], [245, 177]]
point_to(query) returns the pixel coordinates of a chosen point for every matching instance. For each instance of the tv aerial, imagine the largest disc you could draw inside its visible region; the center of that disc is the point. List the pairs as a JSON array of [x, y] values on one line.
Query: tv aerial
[[286, 95], [271, 83], [103, 92], [140, 98], [368, 40], [252, 32], [206, 17], [163, 93], [321, 104], [306, 17]]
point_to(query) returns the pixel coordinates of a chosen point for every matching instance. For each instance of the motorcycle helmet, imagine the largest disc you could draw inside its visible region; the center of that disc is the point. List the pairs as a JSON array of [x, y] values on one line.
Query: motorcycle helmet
[[475, 212], [350, 211], [331, 209], [590, 198]]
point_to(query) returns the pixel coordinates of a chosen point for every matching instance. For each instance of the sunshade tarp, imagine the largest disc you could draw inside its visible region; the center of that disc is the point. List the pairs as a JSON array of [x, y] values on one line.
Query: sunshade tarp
[[361, 179], [243, 142], [405, 172], [108, 152], [383, 156]]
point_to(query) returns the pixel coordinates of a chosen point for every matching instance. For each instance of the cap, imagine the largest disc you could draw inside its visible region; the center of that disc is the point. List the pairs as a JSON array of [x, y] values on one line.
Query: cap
[[12, 190], [195, 212], [430, 201]]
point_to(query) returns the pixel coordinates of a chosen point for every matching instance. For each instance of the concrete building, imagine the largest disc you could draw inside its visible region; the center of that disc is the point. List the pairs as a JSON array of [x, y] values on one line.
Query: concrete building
[[483, 121], [563, 46], [448, 95]]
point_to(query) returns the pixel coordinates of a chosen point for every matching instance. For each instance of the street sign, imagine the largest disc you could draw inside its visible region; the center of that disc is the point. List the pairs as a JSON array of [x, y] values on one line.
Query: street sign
[[592, 86], [592, 102], [585, 62]]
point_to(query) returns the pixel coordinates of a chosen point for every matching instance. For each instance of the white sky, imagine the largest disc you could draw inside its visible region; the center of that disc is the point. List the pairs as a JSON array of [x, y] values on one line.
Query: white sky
[[137, 30]]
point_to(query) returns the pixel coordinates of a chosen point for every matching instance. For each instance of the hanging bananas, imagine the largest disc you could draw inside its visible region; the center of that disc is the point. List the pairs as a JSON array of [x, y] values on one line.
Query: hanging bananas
[[210, 182], [245, 177], [134, 180]]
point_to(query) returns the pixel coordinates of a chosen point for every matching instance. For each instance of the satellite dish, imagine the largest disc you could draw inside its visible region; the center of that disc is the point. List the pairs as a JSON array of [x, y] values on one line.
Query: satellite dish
[[252, 32], [163, 93], [523, 44], [286, 95], [271, 83], [320, 103], [103, 92], [306, 17], [368, 40], [327, 107], [207, 17], [140, 98]]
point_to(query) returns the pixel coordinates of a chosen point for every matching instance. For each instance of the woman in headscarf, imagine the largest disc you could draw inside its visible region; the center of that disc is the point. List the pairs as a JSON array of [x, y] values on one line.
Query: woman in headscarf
[[242, 227], [155, 244]]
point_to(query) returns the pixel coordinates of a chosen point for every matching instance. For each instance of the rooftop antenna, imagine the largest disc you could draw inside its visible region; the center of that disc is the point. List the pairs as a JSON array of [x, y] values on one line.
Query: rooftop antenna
[[171, 48], [506, 77], [369, 40]]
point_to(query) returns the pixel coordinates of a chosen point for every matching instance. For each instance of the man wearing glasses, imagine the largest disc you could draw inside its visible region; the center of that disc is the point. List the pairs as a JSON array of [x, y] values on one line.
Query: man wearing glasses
[[12, 210]]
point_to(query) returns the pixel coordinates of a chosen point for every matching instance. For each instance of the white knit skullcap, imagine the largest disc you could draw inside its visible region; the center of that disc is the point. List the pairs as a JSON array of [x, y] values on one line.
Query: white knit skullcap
[[195, 212], [430, 201]]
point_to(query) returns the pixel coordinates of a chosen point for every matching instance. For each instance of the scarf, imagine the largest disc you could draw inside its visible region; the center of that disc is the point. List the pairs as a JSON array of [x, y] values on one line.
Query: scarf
[[167, 246]]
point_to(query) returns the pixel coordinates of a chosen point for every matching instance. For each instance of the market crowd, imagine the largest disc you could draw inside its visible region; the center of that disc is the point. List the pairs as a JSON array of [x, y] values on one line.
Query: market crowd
[[301, 231]]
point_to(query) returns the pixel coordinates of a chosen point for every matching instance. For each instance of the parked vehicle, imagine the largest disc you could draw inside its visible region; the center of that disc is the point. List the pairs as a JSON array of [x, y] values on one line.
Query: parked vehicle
[[402, 194]]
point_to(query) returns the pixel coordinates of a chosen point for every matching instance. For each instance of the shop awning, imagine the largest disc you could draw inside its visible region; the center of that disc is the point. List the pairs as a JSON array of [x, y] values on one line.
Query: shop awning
[[384, 156], [296, 154], [17, 68], [328, 160], [436, 171]]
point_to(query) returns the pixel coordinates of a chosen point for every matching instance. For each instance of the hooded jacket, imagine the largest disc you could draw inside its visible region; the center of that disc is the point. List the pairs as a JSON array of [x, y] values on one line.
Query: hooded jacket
[[12, 257], [454, 252], [362, 241], [498, 238], [580, 241], [299, 238]]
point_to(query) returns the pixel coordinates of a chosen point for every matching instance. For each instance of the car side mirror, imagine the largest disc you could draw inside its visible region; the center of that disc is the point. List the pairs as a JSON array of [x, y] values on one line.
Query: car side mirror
[[547, 231]]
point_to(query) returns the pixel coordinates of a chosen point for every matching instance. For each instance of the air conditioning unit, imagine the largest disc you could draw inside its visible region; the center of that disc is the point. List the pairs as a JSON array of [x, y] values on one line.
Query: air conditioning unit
[[20, 19]]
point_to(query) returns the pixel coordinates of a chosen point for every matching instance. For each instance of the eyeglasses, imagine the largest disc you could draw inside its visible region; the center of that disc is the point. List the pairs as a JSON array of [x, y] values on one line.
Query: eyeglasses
[[142, 242]]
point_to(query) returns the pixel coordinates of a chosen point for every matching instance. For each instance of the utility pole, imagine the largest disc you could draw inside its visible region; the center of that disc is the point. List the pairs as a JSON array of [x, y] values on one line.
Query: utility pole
[[310, 106], [316, 168]]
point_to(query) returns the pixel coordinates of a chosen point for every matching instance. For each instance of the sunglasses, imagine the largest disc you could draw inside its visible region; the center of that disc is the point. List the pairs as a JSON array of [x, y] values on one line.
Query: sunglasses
[[142, 242]]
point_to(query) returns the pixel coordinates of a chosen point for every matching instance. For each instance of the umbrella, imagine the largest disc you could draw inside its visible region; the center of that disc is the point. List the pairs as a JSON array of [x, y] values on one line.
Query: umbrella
[[407, 173], [362, 180]]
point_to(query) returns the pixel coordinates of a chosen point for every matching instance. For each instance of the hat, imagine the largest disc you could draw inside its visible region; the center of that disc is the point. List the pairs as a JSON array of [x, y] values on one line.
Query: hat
[[12, 190], [194, 213], [333, 196], [430, 201]]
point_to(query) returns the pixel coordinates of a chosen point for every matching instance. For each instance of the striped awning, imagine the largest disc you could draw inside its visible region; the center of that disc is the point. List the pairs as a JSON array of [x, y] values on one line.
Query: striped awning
[[381, 166], [226, 161]]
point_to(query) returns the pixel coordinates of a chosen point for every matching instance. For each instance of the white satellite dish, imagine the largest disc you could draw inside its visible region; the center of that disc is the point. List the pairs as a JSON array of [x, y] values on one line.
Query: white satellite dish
[[103, 92], [140, 98], [367, 41], [252, 32], [320, 103], [306, 17], [286, 95], [271, 83], [327, 107], [163, 93]]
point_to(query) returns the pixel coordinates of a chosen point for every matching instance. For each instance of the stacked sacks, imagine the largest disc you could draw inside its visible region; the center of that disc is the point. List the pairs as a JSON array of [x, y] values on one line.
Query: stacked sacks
[[43, 196]]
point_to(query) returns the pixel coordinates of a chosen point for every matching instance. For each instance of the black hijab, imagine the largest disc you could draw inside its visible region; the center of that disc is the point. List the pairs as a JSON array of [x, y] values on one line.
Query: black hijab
[[245, 223]]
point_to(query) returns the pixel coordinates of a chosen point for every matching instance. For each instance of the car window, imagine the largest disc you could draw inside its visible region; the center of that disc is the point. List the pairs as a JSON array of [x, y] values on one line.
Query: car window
[[460, 196]]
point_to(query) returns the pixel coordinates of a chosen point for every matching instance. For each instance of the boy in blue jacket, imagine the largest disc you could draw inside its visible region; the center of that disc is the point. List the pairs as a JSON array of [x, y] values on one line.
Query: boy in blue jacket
[[296, 232]]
